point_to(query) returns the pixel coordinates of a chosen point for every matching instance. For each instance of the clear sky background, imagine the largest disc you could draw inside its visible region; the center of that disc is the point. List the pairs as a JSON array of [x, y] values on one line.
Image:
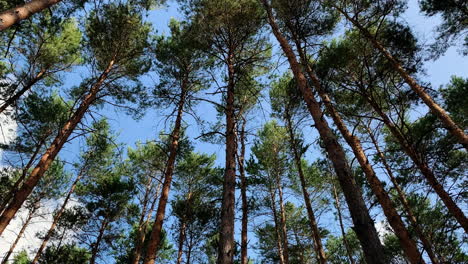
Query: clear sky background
[[130, 131]]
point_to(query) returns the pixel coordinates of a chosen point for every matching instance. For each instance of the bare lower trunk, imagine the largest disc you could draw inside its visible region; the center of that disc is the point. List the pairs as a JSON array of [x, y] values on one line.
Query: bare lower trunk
[[363, 223], [20, 234], [415, 156], [226, 235], [155, 237], [49, 156], [340, 220], [401, 194], [142, 235], [56, 219], [282, 218], [96, 245], [12, 16], [407, 243], [180, 250], [435, 108], [279, 243], [310, 212], [241, 159]]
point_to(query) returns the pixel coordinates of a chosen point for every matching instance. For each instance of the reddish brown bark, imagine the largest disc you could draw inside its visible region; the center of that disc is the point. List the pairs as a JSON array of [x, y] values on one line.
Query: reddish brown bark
[[407, 243], [282, 219], [97, 243], [435, 108], [226, 235], [10, 101], [310, 212], [402, 196], [12, 16], [50, 154], [419, 161], [279, 241], [155, 237], [363, 224], [180, 250]]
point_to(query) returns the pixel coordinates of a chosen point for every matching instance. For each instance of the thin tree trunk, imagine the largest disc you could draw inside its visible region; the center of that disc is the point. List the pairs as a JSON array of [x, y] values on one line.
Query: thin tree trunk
[[226, 236], [21, 178], [404, 201], [363, 223], [155, 237], [407, 243], [340, 220], [12, 16], [452, 207], [10, 101], [282, 218], [49, 156], [435, 108], [310, 212], [180, 250], [279, 243], [20, 234], [241, 159], [142, 236], [57, 218], [95, 249]]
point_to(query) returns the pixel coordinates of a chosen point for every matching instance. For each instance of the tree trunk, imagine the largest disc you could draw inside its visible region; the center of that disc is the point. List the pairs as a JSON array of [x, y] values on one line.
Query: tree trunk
[[20, 234], [10, 101], [142, 235], [363, 224], [49, 156], [310, 212], [12, 16], [435, 108], [21, 178], [155, 237], [340, 220], [452, 207], [57, 218], [241, 159], [407, 243], [180, 250], [95, 249], [401, 194], [282, 218], [226, 236], [279, 243]]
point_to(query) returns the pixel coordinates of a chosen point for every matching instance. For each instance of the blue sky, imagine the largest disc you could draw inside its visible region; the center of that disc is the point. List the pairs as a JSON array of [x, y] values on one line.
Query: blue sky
[[130, 131]]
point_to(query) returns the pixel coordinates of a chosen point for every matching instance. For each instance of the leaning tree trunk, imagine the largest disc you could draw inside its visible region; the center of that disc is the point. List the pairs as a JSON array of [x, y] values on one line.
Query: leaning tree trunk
[[12, 16], [20, 180], [49, 156], [363, 223], [20, 234], [415, 156], [435, 108], [155, 237], [57, 218], [407, 243], [226, 234], [11, 100], [95, 248], [310, 212], [401, 194], [245, 206], [180, 251]]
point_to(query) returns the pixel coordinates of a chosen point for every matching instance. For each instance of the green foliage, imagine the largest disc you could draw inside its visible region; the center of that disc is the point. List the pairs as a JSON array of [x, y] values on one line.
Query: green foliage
[[336, 250], [69, 253], [21, 258]]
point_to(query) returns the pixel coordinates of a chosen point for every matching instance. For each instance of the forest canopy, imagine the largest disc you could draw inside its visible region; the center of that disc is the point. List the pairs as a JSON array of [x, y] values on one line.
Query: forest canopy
[[233, 131]]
